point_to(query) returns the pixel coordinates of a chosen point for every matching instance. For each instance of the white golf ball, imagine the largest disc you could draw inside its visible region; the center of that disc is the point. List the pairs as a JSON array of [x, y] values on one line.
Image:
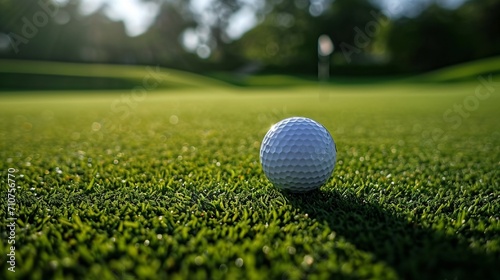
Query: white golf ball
[[298, 154]]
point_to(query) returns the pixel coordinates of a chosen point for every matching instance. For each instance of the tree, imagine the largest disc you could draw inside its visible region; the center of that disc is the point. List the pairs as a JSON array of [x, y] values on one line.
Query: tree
[[161, 44], [287, 38], [441, 37], [482, 18]]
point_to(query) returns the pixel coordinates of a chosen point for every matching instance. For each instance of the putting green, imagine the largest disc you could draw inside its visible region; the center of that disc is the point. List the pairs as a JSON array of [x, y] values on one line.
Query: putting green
[[167, 184]]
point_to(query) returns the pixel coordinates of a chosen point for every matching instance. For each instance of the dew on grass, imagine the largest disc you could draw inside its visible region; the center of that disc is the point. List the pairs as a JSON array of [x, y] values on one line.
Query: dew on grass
[[308, 260], [96, 126], [53, 264], [198, 260], [239, 262], [266, 249], [223, 268], [174, 119], [331, 236]]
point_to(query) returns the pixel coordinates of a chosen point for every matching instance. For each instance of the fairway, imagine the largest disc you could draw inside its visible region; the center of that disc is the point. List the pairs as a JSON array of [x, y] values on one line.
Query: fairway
[[168, 184]]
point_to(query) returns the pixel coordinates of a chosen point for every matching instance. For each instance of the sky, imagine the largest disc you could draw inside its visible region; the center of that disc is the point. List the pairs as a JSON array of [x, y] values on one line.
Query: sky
[[138, 16], [412, 8]]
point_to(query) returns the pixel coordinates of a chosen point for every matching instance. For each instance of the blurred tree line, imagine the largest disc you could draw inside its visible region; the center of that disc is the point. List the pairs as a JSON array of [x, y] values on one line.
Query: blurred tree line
[[368, 40]]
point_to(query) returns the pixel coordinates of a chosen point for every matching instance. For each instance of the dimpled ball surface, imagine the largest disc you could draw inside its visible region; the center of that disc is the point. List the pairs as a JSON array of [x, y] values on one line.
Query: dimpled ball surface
[[298, 154]]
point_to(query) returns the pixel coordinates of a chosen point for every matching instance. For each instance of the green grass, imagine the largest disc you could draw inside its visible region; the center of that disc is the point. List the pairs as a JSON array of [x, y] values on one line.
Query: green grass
[[22, 75], [25, 75], [465, 71], [173, 189]]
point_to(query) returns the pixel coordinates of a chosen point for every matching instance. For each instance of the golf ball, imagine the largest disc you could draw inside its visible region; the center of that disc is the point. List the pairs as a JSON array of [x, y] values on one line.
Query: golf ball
[[298, 154]]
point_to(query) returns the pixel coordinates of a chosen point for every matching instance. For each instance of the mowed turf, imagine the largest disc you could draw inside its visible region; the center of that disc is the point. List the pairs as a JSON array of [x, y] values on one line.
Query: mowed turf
[[168, 185]]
